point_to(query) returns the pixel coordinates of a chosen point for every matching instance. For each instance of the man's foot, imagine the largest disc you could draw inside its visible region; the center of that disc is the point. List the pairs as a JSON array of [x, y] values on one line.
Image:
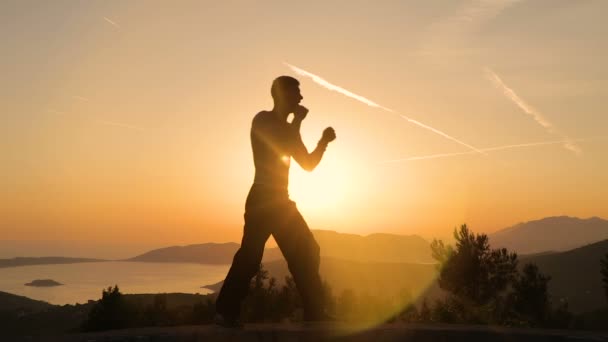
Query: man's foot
[[227, 322]]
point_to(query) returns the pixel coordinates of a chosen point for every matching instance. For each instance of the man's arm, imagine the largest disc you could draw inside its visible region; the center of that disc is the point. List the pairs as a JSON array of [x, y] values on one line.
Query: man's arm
[[308, 161]]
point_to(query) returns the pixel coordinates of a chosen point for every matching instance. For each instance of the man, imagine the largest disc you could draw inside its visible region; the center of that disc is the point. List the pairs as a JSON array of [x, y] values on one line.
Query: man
[[269, 211]]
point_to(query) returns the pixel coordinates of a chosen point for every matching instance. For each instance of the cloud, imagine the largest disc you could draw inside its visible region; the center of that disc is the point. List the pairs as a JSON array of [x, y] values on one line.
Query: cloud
[[448, 35], [328, 85], [119, 124], [528, 109], [81, 98], [100, 121], [53, 111]]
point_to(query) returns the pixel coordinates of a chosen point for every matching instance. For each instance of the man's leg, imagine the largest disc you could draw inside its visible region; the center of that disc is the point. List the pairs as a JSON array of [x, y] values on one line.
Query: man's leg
[[303, 257], [245, 265]]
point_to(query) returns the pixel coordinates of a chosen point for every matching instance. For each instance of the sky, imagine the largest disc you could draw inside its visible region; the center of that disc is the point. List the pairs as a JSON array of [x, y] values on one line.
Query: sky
[[127, 122]]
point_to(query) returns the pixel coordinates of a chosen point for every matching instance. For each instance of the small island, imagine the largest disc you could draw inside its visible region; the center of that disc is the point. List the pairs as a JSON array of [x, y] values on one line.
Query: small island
[[43, 283]]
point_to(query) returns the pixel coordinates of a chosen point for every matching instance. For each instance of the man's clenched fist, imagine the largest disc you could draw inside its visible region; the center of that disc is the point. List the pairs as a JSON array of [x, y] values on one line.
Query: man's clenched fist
[[300, 113], [329, 135]]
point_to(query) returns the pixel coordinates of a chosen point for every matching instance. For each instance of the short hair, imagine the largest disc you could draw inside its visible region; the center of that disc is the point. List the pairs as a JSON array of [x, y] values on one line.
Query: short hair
[[280, 84]]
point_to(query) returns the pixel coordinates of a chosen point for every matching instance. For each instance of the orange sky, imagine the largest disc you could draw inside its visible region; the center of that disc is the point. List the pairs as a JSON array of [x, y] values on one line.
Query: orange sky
[[129, 121]]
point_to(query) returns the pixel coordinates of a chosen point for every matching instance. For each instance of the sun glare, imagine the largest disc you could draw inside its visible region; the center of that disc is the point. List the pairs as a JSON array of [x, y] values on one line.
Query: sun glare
[[322, 191]]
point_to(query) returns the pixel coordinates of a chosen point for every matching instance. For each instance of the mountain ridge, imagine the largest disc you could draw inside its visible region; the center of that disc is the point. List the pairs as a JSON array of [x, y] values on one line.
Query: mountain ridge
[[575, 275], [553, 233]]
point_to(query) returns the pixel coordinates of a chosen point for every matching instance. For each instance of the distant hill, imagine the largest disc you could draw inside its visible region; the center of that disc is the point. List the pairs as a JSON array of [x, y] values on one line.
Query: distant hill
[[575, 275], [205, 253], [550, 234], [375, 247], [11, 303], [20, 261]]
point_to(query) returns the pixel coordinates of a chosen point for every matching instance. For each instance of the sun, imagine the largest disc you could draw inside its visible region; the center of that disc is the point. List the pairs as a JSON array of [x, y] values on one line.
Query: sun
[[322, 191]]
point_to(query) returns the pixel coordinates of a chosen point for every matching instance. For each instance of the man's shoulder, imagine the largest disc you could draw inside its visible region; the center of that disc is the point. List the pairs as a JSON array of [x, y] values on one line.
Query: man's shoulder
[[262, 117]]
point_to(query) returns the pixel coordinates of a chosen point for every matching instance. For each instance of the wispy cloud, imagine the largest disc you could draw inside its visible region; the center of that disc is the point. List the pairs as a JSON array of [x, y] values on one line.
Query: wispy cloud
[[81, 98], [448, 34], [528, 109], [489, 149], [328, 85], [53, 111], [481, 11], [120, 124], [100, 121], [111, 22]]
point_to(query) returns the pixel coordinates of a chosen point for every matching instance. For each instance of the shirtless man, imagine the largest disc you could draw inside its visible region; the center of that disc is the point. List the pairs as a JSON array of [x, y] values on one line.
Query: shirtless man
[[269, 211]]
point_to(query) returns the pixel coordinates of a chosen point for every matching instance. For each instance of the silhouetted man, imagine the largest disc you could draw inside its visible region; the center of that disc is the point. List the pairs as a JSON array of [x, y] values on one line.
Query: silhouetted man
[[268, 209]]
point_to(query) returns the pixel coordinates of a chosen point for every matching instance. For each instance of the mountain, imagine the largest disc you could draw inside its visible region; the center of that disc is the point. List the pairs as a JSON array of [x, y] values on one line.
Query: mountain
[[206, 253], [10, 303], [575, 275], [374, 248], [550, 234], [20, 261]]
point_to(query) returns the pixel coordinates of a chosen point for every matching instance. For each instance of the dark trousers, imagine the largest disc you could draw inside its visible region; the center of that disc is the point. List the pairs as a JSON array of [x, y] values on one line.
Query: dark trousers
[[272, 212]]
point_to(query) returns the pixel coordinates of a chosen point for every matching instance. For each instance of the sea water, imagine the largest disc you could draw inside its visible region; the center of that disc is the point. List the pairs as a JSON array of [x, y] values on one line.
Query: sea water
[[85, 281]]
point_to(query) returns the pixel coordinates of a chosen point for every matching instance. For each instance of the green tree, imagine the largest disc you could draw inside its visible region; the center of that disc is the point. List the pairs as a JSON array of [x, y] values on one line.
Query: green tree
[[471, 271]]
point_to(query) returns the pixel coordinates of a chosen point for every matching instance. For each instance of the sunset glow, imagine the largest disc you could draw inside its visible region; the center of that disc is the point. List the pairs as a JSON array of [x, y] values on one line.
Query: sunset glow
[[118, 127]]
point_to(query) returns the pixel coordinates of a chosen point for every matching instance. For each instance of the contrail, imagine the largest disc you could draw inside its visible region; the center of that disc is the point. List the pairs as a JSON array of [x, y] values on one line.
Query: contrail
[[52, 111], [119, 124], [328, 85], [81, 98], [526, 108], [489, 149], [100, 121], [322, 82], [113, 23], [511, 95]]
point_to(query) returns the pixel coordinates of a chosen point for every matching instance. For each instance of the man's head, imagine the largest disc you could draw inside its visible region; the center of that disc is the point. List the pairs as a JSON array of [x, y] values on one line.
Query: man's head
[[285, 92]]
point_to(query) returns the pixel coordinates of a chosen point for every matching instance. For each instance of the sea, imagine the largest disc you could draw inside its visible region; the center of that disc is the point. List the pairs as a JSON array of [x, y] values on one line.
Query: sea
[[85, 281]]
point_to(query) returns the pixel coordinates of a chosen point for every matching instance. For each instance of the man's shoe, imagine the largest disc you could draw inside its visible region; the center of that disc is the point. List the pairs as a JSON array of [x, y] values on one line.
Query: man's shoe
[[226, 322]]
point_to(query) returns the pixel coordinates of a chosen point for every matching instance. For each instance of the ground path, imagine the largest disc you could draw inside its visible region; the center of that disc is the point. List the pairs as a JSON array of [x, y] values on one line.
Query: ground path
[[323, 332]]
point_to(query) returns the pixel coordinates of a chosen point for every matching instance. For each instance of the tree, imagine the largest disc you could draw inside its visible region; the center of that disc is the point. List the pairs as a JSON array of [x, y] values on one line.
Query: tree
[[289, 303], [472, 272], [604, 271], [258, 304], [347, 304], [110, 312], [530, 298], [158, 314]]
